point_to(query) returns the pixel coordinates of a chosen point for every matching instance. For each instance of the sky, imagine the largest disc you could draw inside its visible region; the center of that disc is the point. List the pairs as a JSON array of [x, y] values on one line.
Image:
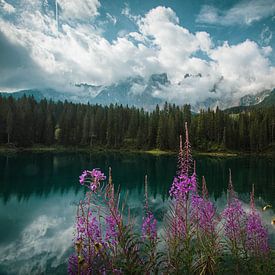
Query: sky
[[48, 43]]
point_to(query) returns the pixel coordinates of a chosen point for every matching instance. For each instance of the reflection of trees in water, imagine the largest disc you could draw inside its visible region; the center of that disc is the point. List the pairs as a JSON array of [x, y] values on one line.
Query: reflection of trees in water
[[34, 174], [40, 174], [245, 172]]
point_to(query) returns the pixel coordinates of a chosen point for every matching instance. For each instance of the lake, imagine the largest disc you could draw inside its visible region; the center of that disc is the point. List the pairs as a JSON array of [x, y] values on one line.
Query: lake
[[39, 193]]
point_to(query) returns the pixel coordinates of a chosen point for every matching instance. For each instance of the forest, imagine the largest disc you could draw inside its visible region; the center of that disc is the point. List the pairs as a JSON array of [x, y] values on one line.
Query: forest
[[24, 122]]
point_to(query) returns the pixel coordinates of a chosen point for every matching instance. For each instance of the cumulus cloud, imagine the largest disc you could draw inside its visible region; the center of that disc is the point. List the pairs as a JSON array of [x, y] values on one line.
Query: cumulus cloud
[[244, 13], [79, 9], [245, 68], [80, 53], [174, 45]]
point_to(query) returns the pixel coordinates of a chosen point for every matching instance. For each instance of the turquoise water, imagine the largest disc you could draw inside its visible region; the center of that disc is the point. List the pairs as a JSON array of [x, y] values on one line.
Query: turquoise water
[[39, 193]]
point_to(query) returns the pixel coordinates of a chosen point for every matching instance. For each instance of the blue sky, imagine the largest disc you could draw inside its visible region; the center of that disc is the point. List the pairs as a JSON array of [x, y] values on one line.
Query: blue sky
[[230, 43], [192, 15]]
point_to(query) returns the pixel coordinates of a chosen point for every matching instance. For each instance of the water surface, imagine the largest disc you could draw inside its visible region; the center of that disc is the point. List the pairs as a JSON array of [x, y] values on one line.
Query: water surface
[[39, 192]]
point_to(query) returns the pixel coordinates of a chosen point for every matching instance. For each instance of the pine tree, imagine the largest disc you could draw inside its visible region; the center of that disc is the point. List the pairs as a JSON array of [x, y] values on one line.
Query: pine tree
[[9, 125], [49, 131], [85, 129]]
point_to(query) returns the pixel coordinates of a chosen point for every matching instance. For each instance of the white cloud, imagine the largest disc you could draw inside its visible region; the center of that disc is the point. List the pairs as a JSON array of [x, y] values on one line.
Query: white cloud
[[244, 67], [174, 44], [79, 9], [80, 54], [233, 70], [245, 13], [6, 7]]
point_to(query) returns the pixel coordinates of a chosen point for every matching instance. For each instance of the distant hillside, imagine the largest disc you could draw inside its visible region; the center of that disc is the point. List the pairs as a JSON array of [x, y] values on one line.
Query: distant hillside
[[38, 94], [268, 101]]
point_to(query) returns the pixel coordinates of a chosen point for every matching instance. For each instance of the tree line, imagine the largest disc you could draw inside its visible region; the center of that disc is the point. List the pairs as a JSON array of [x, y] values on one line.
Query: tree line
[[25, 122]]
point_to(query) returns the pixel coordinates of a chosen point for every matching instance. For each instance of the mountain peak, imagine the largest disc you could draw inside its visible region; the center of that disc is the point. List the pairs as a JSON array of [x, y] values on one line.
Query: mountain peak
[[161, 79], [136, 91]]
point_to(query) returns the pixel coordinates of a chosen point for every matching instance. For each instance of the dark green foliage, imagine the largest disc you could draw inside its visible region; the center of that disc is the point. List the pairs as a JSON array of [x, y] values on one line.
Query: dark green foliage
[[25, 122]]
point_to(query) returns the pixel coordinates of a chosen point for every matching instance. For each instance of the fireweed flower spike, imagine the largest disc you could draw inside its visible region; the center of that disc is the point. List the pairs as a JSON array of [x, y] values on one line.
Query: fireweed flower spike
[[149, 223], [149, 227], [72, 264], [179, 228], [184, 156], [183, 183], [180, 159], [187, 161], [234, 218], [203, 214], [93, 230], [256, 233], [111, 229]]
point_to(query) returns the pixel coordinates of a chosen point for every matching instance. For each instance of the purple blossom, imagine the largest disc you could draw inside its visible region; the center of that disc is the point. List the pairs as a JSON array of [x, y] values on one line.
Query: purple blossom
[[149, 227], [83, 176], [73, 264], [93, 229], [256, 236], [97, 175], [93, 186], [88, 228], [203, 214], [182, 185], [234, 219], [80, 227], [93, 177], [111, 229]]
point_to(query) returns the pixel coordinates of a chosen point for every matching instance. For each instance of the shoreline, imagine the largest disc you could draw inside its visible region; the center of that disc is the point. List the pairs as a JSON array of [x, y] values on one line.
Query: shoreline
[[154, 152]]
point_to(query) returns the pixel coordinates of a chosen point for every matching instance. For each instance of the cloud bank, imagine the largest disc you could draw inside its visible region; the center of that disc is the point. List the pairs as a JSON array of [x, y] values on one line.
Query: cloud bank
[[77, 51], [243, 13]]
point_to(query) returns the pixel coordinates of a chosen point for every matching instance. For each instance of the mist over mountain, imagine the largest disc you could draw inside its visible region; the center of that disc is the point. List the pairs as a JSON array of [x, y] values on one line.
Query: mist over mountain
[[140, 92]]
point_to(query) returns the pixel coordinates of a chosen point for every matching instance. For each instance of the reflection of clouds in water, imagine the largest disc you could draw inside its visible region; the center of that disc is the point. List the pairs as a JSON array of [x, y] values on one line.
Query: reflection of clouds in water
[[42, 245], [45, 240], [38, 242]]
